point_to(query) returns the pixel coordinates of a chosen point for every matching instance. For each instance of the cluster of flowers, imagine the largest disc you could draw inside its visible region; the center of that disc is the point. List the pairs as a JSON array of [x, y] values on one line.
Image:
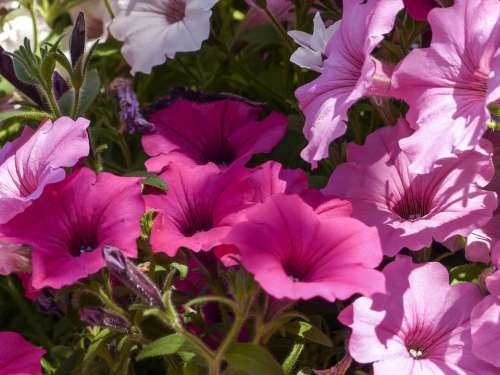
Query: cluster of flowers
[[433, 175]]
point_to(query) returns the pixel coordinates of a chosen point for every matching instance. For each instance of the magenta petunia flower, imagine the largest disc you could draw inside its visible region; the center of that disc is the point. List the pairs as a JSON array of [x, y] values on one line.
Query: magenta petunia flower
[[348, 73], [450, 84], [485, 330], [200, 207], [410, 210], [68, 225], [296, 254], [409, 331], [18, 356], [216, 129], [36, 159], [419, 9]]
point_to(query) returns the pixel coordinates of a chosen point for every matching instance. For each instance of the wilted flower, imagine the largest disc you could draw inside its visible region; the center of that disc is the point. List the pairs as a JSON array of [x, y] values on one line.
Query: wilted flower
[[155, 29], [128, 274], [103, 318], [37, 159], [312, 51], [19, 356], [14, 257]]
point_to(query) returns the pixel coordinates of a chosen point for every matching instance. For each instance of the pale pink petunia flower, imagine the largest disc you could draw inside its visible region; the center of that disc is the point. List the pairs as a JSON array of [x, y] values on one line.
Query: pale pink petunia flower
[[312, 51], [449, 85], [411, 331], [197, 129], [348, 74], [36, 159], [68, 225], [200, 207], [293, 253], [18, 356], [155, 29], [408, 209]]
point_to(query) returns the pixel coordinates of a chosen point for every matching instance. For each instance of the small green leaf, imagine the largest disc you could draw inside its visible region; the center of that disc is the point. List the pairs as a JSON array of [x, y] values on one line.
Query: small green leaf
[[66, 101], [182, 268], [466, 272], [156, 182], [166, 345], [252, 359], [23, 73], [89, 91], [308, 332]]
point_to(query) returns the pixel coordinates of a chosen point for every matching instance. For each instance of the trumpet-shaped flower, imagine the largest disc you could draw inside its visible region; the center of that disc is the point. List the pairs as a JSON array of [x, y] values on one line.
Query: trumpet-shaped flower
[[155, 29], [409, 331], [73, 219], [36, 159], [294, 253], [348, 73], [450, 84], [410, 210], [221, 130], [200, 207], [18, 356], [312, 50]]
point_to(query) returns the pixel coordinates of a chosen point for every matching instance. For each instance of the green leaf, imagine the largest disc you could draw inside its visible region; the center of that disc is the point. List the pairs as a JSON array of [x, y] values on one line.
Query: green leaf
[[66, 101], [252, 359], [166, 345], [24, 115], [191, 368], [182, 268], [156, 182], [308, 332], [22, 71], [466, 272], [89, 91]]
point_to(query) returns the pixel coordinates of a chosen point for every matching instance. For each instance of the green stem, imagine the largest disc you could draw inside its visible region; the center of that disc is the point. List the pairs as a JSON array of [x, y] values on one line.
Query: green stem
[[76, 103], [27, 312], [109, 9], [35, 26], [279, 27], [54, 107]]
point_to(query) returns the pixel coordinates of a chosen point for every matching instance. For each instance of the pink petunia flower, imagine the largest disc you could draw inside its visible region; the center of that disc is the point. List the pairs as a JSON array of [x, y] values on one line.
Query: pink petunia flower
[[419, 9], [348, 74], [295, 254], [221, 130], [411, 331], [73, 219], [18, 356], [200, 207], [450, 84], [408, 209], [36, 159]]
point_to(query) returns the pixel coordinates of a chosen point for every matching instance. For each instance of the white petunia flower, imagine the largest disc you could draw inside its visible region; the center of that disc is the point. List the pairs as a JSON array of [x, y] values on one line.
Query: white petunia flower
[[155, 29], [311, 52], [14, 31]]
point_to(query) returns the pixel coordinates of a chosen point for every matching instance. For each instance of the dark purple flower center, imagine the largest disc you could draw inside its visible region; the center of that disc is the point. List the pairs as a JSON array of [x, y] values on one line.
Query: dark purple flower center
[[296, 272], [175, 10], [222, 155], [194, 218], [413, 204], [82, 244]]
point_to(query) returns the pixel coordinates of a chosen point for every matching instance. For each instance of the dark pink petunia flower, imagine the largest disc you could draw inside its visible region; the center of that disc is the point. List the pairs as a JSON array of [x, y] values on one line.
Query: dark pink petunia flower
[[200, 207], [207, 129], [68, 225], [409, 209], [36, 159], [18, 356], [294, 253], [450, 84], [348, 74], [421, 326], [419, 9]]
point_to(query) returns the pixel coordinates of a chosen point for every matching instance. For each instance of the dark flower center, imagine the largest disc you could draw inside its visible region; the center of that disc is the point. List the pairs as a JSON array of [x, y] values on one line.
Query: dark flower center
[[175, 11], [413, 205], [82, 245], [195, 218], [296, 272], [222, 155]]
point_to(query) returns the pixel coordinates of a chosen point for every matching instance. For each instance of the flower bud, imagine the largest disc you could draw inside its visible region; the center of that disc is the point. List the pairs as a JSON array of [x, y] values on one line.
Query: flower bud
[[102, 318]]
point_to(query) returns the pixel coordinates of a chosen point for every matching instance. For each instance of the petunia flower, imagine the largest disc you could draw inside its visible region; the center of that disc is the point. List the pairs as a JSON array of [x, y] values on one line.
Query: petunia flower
[[348, 74], [16, 29], [14, 257], [18, 356], [200, 207], [408, 209], [450, 84], [312, 50], [412, 331], [155, 29], [196, 129], [419, 9], [36, 159], [71, 222], [295, 254]]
